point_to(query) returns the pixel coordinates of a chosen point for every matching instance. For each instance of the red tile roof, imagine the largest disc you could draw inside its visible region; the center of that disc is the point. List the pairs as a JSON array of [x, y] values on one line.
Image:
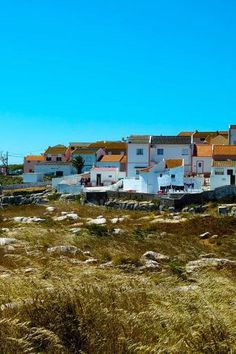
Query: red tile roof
[[203, 150]]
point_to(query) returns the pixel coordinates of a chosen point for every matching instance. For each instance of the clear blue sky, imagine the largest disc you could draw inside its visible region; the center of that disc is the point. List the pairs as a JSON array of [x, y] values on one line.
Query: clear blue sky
[[77, 70]]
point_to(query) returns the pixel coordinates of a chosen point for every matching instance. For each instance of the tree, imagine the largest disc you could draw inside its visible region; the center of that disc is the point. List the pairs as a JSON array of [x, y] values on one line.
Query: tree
[[78, 163]]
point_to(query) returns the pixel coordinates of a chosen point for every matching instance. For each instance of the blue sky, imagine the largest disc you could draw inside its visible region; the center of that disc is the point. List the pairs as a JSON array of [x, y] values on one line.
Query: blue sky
[[103, 69]]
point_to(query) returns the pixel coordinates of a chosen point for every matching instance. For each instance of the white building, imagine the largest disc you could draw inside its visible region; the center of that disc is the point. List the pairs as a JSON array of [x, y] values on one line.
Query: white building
[[223, 174], [105, 176], [32, 177], [172, 148], [138, 153], [57, 169], [165, 175]]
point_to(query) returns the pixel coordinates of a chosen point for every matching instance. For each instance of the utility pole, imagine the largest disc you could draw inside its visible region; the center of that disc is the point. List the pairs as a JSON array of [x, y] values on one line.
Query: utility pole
[[4, 161]]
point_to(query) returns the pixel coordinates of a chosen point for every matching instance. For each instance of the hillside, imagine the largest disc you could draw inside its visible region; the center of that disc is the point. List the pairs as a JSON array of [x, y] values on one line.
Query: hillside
[[83, 279]]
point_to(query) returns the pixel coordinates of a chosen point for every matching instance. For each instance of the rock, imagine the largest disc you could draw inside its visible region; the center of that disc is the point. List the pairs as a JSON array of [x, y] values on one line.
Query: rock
[[186, 288], [75, 230], [87, 254], [29, 270], [222, 210], [191, 210], [209, 263], [9, 249], [7, 241], [50, 209], [107, 264], [60, 218], [5, 229], [154, 256], [27, 220], [151, 265], [116, 220], [171, 209], [185, 210], [91, 261], [63, 250], [118, 231], [163, 234], [100, 221], [214, 237], [72, 216], [205, 235]]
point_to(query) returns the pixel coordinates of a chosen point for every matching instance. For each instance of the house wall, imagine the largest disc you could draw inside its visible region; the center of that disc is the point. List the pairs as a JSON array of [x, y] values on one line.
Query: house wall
[[220, 180], [29, 165], [107, 176], [32, 177], [172, 152], [232, 136], [206, 163], [133, 184], [51, 168], [135, 161], [54, 158]]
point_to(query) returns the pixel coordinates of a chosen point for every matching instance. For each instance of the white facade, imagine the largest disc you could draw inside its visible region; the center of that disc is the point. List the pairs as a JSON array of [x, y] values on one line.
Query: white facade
[[56, 169], [201, 165], [153, 179], [32, 177], [138, 156], [222, 176], [105, 176], [171, 152]]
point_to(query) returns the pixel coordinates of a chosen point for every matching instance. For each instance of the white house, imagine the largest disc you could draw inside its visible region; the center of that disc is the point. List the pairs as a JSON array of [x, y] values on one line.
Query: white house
[[118, 161], [223, 173], [165, 175], [138, 153], [172, 148], [105, 176], [57, 169], [202, 159]]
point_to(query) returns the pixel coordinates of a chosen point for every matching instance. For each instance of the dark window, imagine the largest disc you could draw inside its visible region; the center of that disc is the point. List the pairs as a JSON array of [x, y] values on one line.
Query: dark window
[[199, 164], [59, 173], [58, 158], [229, 172], [48, 158], [172, 176], [160, 151]]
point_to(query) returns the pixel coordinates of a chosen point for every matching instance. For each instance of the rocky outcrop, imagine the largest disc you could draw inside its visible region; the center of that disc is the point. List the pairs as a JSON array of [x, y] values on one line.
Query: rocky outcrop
[[204, 263], [132, 204]]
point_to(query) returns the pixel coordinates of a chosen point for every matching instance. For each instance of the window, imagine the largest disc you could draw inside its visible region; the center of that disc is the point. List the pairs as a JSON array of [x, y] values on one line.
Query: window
[[229, 172], [160, 151], [219, 171], [110, 176], [185, 151], [139, 151], [202, 139], [48, 158], [58, 158], [199, 164], [160, 174], [172, 176], [137, 172]]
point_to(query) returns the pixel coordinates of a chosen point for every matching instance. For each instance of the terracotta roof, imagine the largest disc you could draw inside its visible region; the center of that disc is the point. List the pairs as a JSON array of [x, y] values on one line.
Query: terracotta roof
[[112, 158], [203, 150], [34, 158], [84, 151], [113, 145], [56, 150], [185, 134], [146, 169], [139, 139], [173, 163], [227, 163], [164, 139], [224, 150]]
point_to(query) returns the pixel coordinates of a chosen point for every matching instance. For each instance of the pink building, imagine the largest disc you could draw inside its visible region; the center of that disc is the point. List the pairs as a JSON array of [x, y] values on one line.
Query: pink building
[[30, 162], [58, 153]]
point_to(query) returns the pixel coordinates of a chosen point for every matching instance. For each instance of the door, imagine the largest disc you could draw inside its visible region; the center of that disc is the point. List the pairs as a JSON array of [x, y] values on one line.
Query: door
[[200, 166], [232, 180], [99, 179]]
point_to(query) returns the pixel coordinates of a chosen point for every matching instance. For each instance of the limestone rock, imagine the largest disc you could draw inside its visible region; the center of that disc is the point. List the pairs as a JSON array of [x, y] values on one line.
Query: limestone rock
[[209, 263], [154, 256], [7, 241], [63, 250]]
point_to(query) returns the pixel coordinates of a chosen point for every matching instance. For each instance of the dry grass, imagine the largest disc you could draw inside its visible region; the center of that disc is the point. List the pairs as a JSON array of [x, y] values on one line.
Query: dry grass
[[58, 304]]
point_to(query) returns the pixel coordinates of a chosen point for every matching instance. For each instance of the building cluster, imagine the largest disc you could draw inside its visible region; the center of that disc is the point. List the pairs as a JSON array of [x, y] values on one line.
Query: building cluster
[[145, 163]]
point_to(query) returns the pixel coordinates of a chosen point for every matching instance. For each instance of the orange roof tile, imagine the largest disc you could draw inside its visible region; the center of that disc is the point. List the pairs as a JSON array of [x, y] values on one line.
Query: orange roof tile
[[112, 158], [185, 134], [224, 150], [113, 145], [34, 158], [173, 163], [204, 150], [227, 163], [56, 150]]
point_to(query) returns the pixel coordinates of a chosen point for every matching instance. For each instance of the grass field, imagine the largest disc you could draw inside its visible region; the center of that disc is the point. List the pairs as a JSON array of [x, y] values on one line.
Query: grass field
[[60, 303]]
